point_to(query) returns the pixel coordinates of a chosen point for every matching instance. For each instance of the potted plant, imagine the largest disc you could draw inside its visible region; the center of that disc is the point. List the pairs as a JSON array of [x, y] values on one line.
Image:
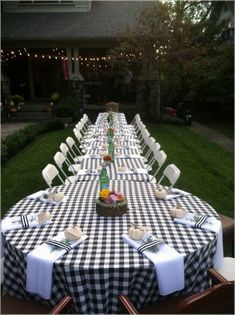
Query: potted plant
[[17, 101]]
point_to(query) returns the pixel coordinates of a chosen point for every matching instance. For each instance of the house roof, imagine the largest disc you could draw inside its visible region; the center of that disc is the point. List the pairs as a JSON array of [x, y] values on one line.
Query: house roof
[[102, 24]]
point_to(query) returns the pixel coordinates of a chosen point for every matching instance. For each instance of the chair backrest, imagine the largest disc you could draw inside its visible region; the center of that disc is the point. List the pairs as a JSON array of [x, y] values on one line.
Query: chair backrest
[[49, 173], [64, 148], [77, 134], [218, 299], [154, 146], [160, 157], [60, 159], [70, 142], [172, 173]]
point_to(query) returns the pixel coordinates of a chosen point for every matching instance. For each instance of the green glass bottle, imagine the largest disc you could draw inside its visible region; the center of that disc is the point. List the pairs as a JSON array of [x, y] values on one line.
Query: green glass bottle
[[110, 120], [110, 135], [111, 150], [104, 178]]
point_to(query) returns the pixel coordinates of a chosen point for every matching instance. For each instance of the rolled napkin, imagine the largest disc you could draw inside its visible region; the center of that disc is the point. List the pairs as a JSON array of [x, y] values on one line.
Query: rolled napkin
[[26, 221], [40, 263], [169, 264], [48, 197], [210, 224]]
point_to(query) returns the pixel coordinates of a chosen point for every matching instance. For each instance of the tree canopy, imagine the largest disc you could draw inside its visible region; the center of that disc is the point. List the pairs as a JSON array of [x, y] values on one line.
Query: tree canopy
[[171, 50]]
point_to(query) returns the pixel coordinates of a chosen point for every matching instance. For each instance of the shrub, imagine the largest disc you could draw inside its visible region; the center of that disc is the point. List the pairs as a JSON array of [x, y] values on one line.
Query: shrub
[[165, 119], [69, 107], [4, 153], [12, 144]]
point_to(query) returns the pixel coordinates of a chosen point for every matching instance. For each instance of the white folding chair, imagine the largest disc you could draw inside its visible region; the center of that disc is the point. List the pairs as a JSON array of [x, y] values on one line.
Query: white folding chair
[[72, 146], [154, 148], [88, 121], [60, 160], [74, 168], [160, 158], [172, 173], [49, 173], [79, 139]]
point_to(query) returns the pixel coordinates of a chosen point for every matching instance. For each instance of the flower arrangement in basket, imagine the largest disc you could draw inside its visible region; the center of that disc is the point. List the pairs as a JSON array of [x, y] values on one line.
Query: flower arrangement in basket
[[111, 203], [107, 158]]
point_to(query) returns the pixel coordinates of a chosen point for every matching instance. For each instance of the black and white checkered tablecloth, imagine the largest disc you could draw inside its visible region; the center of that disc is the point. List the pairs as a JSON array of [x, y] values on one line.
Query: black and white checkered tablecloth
[[112, 169], [122, 151], [96, 271]]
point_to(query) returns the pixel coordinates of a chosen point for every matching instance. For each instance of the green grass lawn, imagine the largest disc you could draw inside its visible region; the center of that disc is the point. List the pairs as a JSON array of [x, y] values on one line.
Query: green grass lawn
[[206, 169], [22, 174]]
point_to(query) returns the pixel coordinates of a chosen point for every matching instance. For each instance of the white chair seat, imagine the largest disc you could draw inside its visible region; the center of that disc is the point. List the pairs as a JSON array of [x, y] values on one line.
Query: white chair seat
[[228, 268], [74, 167], [78, 159], [70, 180]]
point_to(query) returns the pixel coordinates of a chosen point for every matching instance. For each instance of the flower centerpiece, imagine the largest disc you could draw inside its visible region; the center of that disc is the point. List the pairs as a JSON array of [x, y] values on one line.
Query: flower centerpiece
[[107, 158], [111, 203]]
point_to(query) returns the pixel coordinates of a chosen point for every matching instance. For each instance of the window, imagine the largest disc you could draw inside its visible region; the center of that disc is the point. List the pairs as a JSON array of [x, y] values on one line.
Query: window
[[47, 6]]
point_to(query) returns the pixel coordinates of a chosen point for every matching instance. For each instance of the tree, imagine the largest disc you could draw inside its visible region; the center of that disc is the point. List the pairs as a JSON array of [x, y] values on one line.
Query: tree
[[162, 50]]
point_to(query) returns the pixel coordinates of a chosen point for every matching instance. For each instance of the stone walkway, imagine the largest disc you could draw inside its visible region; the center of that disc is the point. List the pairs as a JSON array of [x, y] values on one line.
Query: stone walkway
[[214, 136], [9, 128]]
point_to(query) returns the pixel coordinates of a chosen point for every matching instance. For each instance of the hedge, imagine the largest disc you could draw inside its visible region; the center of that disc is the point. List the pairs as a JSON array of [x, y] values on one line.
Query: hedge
[[13, 143]]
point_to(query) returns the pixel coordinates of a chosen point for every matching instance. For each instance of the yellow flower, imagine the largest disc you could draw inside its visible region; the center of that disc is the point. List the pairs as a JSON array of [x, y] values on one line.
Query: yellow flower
[[104, 193]]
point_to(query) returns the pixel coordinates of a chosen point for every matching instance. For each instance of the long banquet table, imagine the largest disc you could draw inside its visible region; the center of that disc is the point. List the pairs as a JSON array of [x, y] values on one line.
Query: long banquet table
[[100, 268]]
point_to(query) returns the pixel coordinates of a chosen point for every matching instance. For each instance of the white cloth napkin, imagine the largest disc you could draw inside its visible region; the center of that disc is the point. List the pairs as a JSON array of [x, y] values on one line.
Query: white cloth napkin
[[39, 196], [16, 223], [36, 195], [169, 265], [176, 193], [134, 171], [40, 266], [180, 191], [88, 172], [213, 225], [91, 156]]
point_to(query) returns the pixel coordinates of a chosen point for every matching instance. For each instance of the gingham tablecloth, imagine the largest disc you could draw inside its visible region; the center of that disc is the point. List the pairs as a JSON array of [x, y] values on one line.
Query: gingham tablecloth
[[99, 269]]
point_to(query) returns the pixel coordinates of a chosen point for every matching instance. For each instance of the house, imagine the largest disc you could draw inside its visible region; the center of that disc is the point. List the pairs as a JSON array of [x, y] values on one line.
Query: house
[[63, 46], [223, 14]]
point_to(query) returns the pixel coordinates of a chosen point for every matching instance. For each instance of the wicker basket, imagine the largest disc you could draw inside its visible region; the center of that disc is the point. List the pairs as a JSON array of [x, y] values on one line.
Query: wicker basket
[[107, 210]]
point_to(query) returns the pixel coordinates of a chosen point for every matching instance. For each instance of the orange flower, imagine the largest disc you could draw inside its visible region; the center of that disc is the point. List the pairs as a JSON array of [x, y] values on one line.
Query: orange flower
[[104, 193], [120, 197]]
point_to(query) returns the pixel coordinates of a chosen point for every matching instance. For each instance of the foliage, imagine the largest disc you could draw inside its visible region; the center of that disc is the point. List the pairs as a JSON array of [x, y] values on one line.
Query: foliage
[[171, 50], [22, 174], [55, 97], [12, 144], [69, 107], [17, 99]]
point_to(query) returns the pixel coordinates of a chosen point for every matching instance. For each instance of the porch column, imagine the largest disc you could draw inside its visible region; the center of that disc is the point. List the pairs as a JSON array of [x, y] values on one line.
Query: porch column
[[31, 79]]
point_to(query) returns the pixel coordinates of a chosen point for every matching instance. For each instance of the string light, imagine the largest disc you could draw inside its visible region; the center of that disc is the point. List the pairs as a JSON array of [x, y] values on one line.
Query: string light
[[91, 62]]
